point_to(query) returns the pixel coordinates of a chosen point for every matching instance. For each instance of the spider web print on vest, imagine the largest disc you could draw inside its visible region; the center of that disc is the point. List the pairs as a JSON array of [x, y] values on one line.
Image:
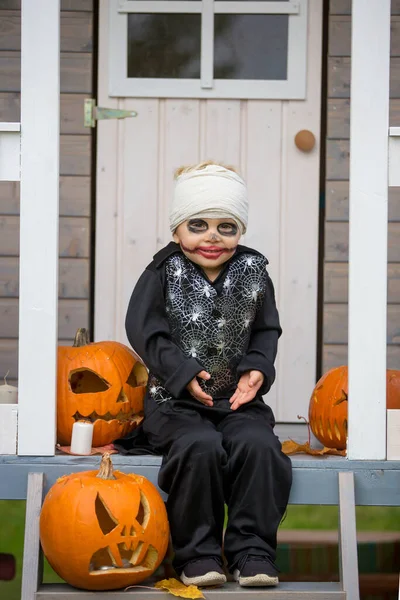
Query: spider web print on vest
[[214, 329]]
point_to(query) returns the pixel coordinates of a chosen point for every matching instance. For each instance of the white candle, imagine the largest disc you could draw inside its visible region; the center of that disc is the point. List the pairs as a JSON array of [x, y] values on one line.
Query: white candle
[[82, 436], [8, 393]]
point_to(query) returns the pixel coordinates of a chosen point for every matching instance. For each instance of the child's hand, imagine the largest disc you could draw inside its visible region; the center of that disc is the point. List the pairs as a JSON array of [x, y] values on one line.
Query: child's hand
[[248, 386], [196, 391]]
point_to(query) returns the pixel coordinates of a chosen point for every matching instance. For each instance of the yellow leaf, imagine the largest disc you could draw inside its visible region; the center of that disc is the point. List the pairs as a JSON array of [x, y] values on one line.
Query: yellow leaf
[[333, 451], [175, 587], [291, 447]]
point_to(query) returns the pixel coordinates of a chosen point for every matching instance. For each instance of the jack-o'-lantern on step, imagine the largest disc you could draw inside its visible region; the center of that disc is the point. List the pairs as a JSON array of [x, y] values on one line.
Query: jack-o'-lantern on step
[[103, 382], [329, 405], [104, 530]]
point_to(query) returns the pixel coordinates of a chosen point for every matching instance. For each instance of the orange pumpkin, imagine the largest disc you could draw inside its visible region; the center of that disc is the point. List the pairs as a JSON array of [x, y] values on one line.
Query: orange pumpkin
[[103, 382], [101, 530], [328, 405], [392, 389]]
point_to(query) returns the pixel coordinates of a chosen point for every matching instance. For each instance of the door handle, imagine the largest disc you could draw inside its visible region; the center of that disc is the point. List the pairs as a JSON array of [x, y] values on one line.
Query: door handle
[[304, 140]]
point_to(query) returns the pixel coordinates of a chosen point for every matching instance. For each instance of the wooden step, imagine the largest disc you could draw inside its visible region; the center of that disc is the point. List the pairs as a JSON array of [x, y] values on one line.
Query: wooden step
[[348, 588], [230, 591]]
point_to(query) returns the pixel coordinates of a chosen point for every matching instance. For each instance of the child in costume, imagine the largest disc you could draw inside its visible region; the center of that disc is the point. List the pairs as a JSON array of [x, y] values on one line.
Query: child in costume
[[203, 319]]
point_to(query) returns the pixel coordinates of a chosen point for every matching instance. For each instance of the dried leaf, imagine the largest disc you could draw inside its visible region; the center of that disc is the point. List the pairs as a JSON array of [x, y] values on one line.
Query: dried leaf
[[292, 447], [175, 587]]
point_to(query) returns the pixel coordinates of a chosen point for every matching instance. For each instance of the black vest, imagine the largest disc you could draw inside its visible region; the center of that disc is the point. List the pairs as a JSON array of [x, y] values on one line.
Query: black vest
[[213, 328]]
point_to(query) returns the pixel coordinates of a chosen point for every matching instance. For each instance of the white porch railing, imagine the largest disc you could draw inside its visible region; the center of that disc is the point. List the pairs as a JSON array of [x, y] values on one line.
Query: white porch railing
[[38, 289], [368, 227], [369, 128]]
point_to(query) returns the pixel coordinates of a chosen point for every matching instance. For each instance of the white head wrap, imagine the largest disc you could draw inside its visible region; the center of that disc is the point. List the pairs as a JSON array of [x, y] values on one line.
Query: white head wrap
[[213, 192]]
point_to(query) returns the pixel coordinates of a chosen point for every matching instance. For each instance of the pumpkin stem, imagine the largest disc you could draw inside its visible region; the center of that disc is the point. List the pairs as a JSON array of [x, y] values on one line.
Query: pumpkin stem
[[308, 427], [5, 377], [81, 338], [106, 467]]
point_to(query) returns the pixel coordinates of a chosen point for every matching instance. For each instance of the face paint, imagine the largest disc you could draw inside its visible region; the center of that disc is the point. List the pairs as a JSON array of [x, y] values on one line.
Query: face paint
[[197, 225], [208, 242], [200, 226], [229, 229]]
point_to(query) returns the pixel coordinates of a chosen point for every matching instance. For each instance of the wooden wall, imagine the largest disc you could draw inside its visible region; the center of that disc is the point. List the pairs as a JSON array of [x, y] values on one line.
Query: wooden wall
[[75, 175], [337, 187]]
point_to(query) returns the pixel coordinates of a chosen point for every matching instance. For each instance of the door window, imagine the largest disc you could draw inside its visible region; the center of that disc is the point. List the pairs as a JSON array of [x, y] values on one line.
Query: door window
[[208, 48]]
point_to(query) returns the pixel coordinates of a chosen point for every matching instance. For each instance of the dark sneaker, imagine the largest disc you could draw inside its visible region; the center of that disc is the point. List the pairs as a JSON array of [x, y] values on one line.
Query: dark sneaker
[[256, 571], [203, 571]]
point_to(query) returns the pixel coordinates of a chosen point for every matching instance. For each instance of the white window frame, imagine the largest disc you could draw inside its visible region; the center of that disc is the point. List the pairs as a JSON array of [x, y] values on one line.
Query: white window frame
[[294, 87]]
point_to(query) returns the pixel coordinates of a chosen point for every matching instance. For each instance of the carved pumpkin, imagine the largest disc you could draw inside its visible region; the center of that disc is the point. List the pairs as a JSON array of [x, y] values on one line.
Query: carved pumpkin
[[392, 389], [104, 530], [102, 382], [329, 401]]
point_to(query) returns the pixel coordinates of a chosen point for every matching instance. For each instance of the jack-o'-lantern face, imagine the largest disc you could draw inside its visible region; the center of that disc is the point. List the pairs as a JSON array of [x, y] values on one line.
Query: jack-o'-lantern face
[[329, 405], [102, 382], [114, 532], [328, 409], [125, 546]]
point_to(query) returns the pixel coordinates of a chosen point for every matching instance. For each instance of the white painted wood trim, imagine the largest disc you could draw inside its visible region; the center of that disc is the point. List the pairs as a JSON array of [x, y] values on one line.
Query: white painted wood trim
[[191, 88], [10, 153], [207, 45], [393, 434], [159, 6], [293, 88], [8, 428], [394, 160], [107, 193], [40, 118], [254, 8], [368, 221], [394, 131], [234, 7], [297, 51], [10, 126]]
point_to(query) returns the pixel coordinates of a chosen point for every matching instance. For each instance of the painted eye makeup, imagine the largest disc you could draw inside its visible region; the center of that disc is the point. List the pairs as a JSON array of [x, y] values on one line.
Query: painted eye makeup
[[200, 226], [227, 229], [197, 226]]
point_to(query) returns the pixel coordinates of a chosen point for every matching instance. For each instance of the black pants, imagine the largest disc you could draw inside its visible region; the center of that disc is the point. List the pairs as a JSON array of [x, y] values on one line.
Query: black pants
[[213, 455]]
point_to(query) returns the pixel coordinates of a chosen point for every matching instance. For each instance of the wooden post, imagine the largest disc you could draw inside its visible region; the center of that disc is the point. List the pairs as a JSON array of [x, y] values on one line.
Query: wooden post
[[40, 116], [369, 126], [348, 560], [32, 572]]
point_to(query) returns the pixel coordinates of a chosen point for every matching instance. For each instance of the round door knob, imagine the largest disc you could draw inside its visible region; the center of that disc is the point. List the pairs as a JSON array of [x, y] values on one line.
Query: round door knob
[[305, 140]]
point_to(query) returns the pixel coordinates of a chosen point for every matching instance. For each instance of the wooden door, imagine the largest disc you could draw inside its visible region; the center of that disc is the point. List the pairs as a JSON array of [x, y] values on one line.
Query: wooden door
[[135, 164]]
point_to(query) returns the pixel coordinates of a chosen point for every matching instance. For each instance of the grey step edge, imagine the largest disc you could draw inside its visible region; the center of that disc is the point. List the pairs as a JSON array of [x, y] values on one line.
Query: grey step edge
[[230, 591]]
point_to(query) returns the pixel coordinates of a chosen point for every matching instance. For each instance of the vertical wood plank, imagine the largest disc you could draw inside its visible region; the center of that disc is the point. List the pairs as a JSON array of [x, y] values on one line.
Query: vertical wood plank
[[368, 220], [33, 558], [106, 198], [348, 564], [138, 201], [180, 122], [263, 174], [299, 259], [223, 131], [40, 78]]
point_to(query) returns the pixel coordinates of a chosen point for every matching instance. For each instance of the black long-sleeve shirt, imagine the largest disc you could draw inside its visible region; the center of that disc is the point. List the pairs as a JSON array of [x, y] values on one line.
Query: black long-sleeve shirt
[[148, 329]]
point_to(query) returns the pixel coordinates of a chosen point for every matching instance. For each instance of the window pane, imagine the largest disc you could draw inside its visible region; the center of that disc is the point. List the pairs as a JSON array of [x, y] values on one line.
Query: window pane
[[164, 45], [250, 46]]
